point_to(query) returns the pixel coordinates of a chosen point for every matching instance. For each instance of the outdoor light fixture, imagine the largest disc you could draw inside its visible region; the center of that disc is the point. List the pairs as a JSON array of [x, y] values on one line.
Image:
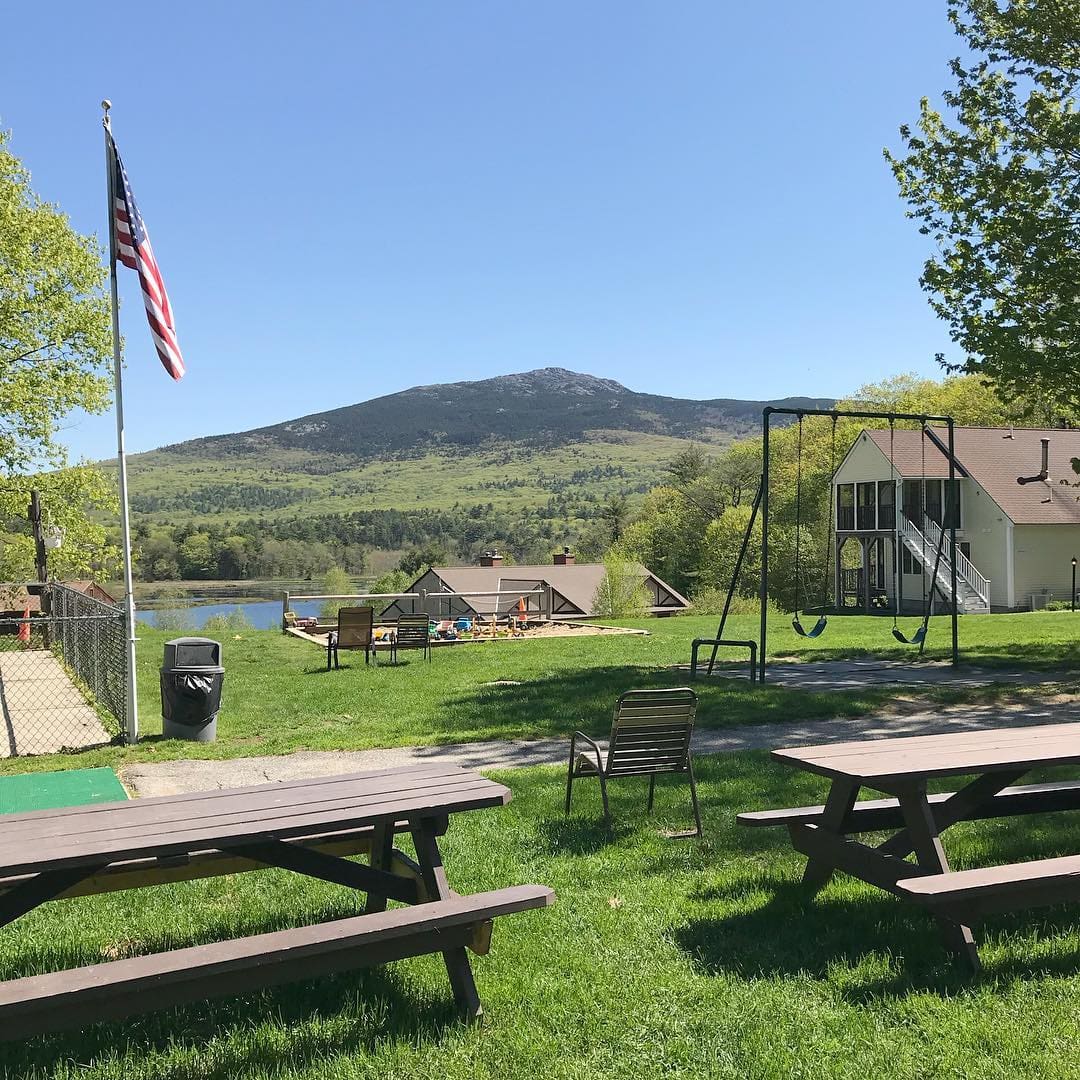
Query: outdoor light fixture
[[52, 537]]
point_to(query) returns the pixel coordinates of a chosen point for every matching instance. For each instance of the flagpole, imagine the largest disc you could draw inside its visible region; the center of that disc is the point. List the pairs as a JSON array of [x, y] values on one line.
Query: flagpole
[[131, 719]]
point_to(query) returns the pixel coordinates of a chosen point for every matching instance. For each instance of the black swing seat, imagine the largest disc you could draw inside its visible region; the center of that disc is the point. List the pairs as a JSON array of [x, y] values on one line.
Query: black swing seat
[[915, 639], [815, 631]]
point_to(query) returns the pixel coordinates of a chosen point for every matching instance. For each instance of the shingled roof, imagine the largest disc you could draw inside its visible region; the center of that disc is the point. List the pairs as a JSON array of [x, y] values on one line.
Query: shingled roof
[[577, 583], [994, 458]]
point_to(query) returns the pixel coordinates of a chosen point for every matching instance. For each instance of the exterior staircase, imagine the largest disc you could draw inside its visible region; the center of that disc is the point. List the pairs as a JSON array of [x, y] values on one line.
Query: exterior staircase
[[972, 588]]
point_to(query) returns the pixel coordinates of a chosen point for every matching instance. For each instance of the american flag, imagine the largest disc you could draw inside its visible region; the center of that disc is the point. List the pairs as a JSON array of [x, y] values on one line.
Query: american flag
[[133, 250]]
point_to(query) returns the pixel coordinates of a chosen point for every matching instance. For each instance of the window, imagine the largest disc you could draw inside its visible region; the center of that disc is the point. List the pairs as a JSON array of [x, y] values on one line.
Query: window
[[908, 562], [933, 500], [935, 491], [866, 516], [952, 503], [845, 506], [912, 501], [886, 500]]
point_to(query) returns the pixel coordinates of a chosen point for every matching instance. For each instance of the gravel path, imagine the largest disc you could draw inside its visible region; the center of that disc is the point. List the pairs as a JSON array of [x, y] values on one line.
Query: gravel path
[[172, 777]]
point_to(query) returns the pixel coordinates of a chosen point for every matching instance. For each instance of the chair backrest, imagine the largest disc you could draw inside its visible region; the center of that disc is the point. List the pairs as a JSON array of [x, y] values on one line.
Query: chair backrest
[[413, 631], [651, 731], [354, 627]]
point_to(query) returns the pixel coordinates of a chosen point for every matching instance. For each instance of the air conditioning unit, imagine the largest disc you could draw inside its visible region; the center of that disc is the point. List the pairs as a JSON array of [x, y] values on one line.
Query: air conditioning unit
[[1040, 600]]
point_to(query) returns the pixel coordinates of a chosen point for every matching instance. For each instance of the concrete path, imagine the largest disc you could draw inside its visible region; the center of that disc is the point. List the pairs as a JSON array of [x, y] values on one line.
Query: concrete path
[[172, 777], [43, 711], [834, 675]]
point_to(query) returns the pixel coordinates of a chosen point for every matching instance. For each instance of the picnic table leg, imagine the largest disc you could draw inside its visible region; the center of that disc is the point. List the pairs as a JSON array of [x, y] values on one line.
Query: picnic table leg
[[959, 807], [438, 888], [382, 847], [841, 799], [930, 854]]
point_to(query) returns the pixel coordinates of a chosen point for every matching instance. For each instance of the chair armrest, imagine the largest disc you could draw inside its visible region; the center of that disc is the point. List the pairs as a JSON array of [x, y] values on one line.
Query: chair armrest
[[585, 738]]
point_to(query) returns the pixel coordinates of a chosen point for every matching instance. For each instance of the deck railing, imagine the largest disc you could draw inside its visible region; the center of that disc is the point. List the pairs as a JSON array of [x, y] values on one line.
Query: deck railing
[[964, 566], [924, 544]]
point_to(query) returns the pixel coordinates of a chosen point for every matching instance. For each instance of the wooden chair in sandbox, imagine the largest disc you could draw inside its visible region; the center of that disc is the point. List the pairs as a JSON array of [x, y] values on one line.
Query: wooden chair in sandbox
[[650, 735], [355, 630], [413, 632]]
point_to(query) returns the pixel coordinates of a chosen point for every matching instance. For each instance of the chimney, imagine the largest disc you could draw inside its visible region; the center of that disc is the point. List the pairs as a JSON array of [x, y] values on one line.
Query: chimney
[[491, 558], [564, 557]]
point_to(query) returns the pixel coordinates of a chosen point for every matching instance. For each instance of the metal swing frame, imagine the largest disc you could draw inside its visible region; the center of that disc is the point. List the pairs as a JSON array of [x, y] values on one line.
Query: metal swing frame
[[949, 449]]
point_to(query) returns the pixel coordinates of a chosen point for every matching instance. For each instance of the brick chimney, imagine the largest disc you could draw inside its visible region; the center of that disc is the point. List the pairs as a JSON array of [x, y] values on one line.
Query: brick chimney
[[564, 557], [491, 558]]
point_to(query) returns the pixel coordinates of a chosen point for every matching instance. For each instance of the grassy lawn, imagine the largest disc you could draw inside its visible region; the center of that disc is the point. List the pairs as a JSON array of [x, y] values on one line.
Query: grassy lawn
[[280, 698], [660, 958]]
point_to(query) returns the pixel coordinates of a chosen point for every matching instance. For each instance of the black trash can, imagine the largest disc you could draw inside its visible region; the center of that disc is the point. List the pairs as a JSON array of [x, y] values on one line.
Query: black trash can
[[191, 680]]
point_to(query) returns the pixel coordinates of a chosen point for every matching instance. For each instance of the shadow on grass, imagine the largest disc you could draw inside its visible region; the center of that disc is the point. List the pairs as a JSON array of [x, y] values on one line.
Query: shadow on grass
[[891, 948], [313, 1021], [1029, 655], [580, 834], [584, 698]]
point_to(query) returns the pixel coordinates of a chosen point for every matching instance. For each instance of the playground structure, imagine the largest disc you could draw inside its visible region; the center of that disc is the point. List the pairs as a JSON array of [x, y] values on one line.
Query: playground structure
[[943, 579]]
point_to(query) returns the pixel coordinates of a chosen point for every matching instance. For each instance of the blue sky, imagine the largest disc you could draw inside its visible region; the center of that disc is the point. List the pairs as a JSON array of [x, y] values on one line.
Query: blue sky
[[347, 199]]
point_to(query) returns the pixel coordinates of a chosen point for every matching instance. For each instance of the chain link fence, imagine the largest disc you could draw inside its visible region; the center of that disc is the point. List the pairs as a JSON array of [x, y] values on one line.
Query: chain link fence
[[63, 673]]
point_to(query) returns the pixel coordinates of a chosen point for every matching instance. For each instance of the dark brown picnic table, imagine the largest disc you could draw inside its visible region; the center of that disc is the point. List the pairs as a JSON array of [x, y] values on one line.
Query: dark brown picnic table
[[307, 826], [901, 768]]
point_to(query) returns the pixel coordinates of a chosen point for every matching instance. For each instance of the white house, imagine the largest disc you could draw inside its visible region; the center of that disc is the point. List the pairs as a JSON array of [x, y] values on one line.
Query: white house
[[1016, 542]]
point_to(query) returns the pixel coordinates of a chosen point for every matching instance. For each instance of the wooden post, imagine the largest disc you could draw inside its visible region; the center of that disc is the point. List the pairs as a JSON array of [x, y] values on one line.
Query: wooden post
[[284, 608], [865, 545]]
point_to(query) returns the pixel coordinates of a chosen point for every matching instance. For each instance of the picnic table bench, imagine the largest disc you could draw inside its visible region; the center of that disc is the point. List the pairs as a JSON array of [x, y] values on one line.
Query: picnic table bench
[[901, 768], [307, 826]]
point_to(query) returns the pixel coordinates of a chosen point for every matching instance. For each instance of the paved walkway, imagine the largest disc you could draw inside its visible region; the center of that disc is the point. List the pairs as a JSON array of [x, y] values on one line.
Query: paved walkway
[[43, 711], [172, 777], [857, 674]]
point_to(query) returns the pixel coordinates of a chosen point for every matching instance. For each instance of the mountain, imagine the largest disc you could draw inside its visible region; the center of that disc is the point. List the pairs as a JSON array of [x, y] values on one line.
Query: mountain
[[544, 408], [550, 442]]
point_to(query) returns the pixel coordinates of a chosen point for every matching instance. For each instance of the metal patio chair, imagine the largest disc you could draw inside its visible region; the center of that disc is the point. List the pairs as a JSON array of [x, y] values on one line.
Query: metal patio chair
[[650, 735], [413, 632], [354, 631]]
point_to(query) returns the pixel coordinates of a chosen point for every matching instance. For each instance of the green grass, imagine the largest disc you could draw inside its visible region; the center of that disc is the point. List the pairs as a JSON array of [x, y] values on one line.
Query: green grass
[[661, 957], [280, 698]]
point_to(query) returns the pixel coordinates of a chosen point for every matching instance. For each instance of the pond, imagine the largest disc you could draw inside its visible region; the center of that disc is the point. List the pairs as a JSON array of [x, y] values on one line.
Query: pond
[[262, 614]]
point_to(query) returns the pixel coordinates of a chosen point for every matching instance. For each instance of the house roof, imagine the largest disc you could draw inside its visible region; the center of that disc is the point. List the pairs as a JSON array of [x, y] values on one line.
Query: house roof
[[994, 458], [577, 582]]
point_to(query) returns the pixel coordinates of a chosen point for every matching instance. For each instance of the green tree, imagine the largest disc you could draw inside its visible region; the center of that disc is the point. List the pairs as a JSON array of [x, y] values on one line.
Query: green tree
[[54, 322], [615, 513], [621, 593], [54, 357], [418, 558], [198, 557], [336, 583], [67, 497], [996, 185]]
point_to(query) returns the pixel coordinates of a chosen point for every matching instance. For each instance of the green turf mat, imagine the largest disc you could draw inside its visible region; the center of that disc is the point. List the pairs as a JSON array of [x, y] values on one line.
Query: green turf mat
[[45, 790]]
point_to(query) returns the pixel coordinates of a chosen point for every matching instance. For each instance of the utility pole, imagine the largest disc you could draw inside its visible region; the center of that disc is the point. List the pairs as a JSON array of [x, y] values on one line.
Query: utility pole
[[33, 514]]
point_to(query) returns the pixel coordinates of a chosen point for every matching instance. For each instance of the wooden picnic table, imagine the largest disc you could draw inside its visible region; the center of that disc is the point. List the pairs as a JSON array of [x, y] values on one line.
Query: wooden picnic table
[[901, 768], [307, 826]]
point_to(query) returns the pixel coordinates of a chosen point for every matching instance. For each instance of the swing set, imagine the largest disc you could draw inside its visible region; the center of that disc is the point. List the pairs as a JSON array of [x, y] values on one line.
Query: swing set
[[761, 506]]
